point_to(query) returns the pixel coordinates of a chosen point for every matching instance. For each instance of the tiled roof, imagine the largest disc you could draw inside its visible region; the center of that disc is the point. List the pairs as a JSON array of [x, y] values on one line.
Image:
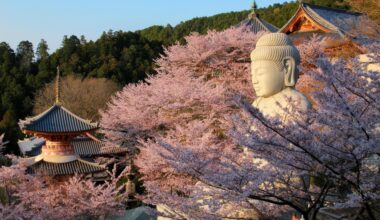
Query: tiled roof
[[74, 167], [255, 24], [83, 146], [89, 147], [31, 146], [56, 119], [335, 20]]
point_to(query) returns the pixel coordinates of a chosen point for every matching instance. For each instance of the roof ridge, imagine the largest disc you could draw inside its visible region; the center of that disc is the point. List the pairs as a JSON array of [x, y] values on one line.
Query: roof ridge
[[257, 24], [57, 112], [265, 23], [331, 9], [291, 19], [261, 24], [78, 166], [315, 14], [79, 118], [28, 120], [90, 163]]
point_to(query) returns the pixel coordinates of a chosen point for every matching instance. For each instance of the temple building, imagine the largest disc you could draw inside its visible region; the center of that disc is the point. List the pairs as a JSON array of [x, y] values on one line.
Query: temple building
[[63, 143], [255, 24], [312, 19]]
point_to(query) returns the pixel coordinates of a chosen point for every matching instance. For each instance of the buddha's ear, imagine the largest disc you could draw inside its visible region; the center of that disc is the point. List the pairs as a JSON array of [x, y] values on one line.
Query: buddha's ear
[[291, 73]]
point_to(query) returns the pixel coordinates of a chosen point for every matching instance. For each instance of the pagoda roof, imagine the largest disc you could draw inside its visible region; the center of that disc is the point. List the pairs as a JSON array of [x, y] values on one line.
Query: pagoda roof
[[83, 146], [56, 119], [89, 147], [78, 166], [333, 20], [31, 146], [255, 24]]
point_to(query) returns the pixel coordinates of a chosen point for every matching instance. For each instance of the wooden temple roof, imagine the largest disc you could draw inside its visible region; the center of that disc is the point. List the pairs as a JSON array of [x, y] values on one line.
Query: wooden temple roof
[[56, 119], [326, 19], [78, 166], [255, 24]]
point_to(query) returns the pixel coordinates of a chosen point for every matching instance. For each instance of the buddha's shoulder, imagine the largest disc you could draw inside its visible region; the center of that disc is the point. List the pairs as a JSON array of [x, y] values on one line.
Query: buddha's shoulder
[[298, 97], [256, 102]]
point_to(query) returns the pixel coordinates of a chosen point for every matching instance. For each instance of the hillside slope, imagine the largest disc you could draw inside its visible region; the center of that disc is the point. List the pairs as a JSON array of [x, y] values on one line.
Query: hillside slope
[[277, 14]]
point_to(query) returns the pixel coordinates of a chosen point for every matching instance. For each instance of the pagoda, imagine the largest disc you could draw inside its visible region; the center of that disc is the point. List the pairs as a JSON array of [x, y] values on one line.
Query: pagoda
[[57, 129]]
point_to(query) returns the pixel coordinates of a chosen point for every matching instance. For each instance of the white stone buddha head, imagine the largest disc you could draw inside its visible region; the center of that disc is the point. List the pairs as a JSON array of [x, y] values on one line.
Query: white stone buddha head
[[274, 64]]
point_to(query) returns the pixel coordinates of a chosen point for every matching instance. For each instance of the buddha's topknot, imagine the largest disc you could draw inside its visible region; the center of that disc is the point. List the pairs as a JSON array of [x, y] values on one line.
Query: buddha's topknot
[[275, 46]]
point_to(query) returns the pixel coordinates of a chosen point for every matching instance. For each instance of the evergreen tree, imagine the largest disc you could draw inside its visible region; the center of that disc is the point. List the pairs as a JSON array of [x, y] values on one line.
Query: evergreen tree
[[25, 55], [42, 50]]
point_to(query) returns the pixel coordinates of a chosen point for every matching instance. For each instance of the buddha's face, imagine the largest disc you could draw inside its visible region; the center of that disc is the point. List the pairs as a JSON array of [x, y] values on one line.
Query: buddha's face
[[267, 77]]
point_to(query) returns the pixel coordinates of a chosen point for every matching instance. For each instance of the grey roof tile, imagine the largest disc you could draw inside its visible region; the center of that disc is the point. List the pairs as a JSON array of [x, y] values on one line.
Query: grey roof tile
[[256, 24], [84, 147], [74, 167], [89, 147], [56, 119], [335, 20]]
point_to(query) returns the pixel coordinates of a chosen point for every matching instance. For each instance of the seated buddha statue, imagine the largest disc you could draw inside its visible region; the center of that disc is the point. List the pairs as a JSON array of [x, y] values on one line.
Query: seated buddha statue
[[274, 76]]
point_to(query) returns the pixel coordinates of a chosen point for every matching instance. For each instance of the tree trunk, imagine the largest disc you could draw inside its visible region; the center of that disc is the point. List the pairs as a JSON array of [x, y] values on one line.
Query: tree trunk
[[369, 211]]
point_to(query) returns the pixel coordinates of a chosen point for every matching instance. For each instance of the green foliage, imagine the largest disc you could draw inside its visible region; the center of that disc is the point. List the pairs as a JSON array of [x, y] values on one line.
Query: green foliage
[[42, 50], [278, 14], [169, 35], [25, 55], [15, 95], [5, 161], [369, 7], [4, 198], [340, 4], [122, 56]]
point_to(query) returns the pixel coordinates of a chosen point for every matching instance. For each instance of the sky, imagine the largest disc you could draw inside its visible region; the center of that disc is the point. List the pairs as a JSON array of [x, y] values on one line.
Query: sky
[[52, 19]]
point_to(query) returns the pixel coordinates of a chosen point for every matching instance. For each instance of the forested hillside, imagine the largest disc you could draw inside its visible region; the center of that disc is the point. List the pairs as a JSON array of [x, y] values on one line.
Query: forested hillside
[[277, 14], [125, 57]]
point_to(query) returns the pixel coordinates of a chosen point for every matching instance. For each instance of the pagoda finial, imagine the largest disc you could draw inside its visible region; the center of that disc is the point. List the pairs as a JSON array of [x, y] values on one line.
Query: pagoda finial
[[254, 6], [57, 87], [253, 13]]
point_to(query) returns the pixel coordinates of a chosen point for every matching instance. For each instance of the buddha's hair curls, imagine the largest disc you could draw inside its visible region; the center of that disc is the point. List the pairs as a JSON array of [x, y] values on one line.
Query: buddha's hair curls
[[275, 47]]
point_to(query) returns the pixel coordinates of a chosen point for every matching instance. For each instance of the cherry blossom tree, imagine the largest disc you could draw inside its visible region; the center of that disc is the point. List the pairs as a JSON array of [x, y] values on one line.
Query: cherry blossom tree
[[217, 63], [192, 84], [38, 197], [338, 145], [184, 89], [327, 160], [205, 152]]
